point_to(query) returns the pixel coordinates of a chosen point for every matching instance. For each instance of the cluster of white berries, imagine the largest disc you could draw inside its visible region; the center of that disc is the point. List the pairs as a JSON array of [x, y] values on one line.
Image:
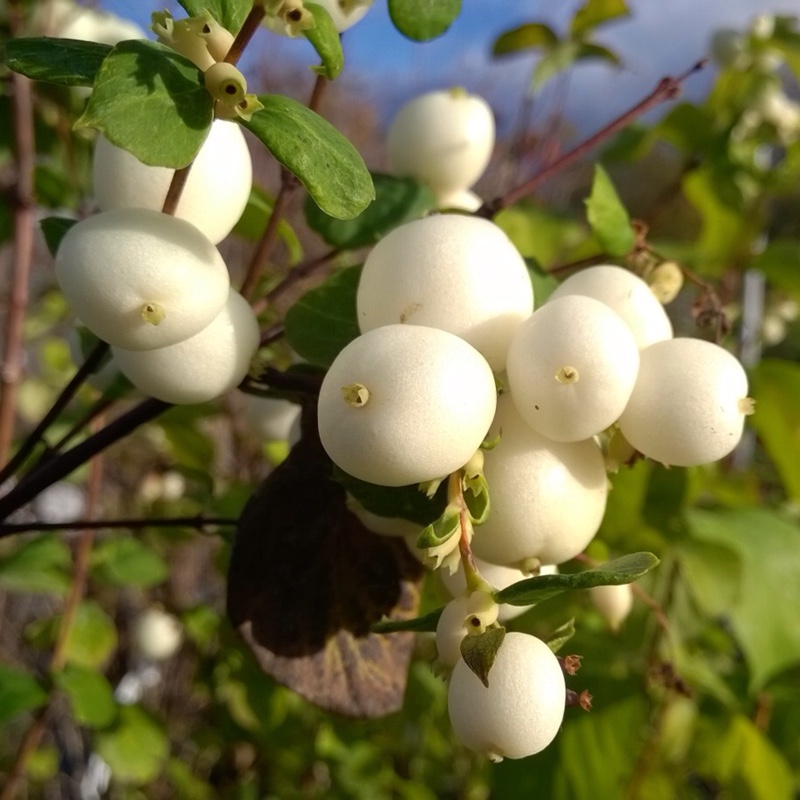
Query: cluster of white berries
[[445, 304], [153, 285]]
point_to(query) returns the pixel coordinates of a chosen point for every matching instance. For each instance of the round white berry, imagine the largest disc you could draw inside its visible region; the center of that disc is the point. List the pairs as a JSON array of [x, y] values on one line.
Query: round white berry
[[627, 294], [521, 710], [613, 602], [571, 368], [548, 498], [404, 404], [156, 635], [201, 368], [689, 403], [444, 139], [215, 193], [450, 271], [140, 279], [272, 418]]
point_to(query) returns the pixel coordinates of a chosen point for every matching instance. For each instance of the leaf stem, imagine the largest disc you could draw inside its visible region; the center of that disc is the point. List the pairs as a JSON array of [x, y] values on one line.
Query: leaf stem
[[668, 88], [455, 496]]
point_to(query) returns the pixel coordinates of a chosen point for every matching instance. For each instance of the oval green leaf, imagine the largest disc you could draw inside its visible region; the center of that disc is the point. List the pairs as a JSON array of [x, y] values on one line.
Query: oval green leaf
[[66, 62], [231, 14], [324, 320], [325, 162], [525, 37], [152, 102], [422, 20], [397, 200], [325, 39], [129, 562], [607, 216], [90, 695], [613, 573], [19, 692]]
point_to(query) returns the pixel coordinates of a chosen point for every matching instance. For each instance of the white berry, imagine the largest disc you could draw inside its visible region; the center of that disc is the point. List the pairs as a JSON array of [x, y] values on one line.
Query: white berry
[[521, 710], [627, 294], [613, 602], [689, 403], [404, 404], [450, 271], [197, 370], [444, 139], [140, 279], [215, 193], [571, 368], [156, 635]]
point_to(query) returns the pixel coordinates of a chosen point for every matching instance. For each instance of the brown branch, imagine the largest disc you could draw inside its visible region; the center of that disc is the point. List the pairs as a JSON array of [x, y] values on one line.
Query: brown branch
[[198, 521], [24, 221], [668, 89], [295, 275], [33, 736], [246, 32], [68, 392], [64, 464]]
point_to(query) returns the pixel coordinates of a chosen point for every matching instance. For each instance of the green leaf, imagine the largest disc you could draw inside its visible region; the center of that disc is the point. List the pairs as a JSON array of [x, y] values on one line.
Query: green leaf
[[425, 623], [324, 320], [587, 50], [326, 163], [479, 651], [231, 14], [92, 637], [561, 635], [90, 695], [397, 201], [626, 569], [594, 13], [40, 565], [557, 59], [136, 748], [54, 229], [607, 216], [66, 62], [19, 692], [775, 384], [525, 37], [152, 102], [254, 219], [407, 502], [422, 20], [325, 39], [129, 562], [764, 614], [780, 262]]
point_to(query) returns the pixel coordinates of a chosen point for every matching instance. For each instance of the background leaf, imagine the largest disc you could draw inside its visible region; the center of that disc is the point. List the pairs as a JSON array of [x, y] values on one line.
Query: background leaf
[[323, 320], [525, 37], [607, 216], [66, 62], [596, 12], [128, 562], [19, 692], [136, 748], [152, 102], [422, 20], [326, 163], [90, 695], [39, 565], [397, 201], [54, 230], [254, 219], [92, 637], [231, 14]]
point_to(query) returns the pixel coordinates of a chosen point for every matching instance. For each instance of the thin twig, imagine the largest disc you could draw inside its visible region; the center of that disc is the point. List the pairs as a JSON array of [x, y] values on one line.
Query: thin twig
[[198, 521], [24, 222], [668, 89], [246, 33], [295, 275], [63, 465], [33, 736], [100, 407], [35, 436]]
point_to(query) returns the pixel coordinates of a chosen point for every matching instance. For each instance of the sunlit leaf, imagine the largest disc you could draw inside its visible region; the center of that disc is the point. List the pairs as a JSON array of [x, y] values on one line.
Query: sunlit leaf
[[90, 695], [596, 12], [422, 20], [327, 164], [67, 62], [607, 216], [254, 219], [151, 101], [229, 13], [325, 39]]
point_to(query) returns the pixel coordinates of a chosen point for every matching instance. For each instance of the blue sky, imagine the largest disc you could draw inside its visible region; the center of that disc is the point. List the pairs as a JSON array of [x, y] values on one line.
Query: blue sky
[[658, 38]]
